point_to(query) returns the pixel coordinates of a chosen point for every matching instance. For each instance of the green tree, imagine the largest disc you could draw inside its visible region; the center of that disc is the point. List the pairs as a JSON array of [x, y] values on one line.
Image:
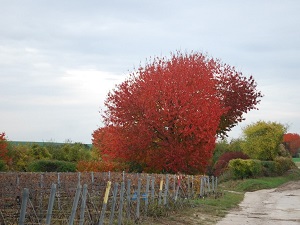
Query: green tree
[[56, 152], [20, 157], [73, 152], [262, 140], [235, 145], [39, 152], [222, 146]]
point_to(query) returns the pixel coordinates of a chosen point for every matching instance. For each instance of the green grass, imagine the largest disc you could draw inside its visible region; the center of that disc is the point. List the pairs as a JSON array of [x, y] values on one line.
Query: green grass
[[221, 205], [260, 183]]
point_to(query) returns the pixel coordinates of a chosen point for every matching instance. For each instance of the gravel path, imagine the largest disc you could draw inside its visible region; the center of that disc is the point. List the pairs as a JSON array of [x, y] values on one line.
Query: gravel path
[[280, 206]]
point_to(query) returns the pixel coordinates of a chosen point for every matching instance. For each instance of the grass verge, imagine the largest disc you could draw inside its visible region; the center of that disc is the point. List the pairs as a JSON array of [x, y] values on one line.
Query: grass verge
[[260, 183]]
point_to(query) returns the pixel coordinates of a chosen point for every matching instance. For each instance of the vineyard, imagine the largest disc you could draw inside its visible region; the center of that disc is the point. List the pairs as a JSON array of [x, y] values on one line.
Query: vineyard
[[94, 198]]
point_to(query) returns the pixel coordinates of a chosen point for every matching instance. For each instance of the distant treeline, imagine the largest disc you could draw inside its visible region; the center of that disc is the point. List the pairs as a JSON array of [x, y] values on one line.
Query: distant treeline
[[43, 143], [45, 156]]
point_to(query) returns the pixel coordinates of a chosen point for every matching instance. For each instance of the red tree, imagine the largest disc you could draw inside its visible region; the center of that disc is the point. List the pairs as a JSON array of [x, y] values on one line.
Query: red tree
[[166, 116], [292, 143], [3, 148]]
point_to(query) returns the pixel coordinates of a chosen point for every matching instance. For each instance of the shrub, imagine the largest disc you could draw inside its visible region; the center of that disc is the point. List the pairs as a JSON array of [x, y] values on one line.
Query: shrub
[[51, 166], [241, 168], [225, 176], [2, 165], [283, 164], [223, 161], [269, 168]]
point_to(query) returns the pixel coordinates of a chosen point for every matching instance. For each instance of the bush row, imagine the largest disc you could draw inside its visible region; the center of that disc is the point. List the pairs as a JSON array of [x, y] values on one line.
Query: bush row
[[51, 166], [240, 168]]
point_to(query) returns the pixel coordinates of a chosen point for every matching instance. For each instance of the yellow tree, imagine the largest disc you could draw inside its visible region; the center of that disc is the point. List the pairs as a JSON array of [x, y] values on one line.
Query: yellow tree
[[262, 139]]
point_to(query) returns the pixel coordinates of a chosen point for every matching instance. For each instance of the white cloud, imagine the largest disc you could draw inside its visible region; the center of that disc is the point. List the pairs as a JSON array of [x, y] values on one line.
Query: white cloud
[[90, 86]]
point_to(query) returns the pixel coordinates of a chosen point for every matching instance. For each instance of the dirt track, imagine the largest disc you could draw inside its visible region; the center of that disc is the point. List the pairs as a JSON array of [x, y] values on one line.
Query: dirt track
[[272, 206]]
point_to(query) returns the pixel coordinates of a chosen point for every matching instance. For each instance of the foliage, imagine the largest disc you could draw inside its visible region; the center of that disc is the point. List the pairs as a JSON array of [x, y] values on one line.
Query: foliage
[[167, 114], [51, 166], [223, 161], [262, 140], [3, 148], [284, 164], [23, 154], [221, 147], [71, 152], [39, 152], [2, 165], [269, 168], [282, 151], [20, 157], [235, 145], [292, 142], [241, 168], [74, 152], [55, 151], [277, 167]]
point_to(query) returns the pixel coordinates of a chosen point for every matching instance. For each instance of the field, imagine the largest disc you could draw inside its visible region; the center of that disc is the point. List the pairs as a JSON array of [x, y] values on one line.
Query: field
[[297, 162], [94, 198]]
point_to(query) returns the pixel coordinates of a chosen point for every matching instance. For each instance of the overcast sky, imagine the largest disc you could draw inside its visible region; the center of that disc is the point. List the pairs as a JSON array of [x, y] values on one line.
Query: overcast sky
[[59, 59]]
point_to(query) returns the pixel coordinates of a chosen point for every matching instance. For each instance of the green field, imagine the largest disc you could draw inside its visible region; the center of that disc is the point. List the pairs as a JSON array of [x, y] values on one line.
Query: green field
[[296, 159], [297, 162]]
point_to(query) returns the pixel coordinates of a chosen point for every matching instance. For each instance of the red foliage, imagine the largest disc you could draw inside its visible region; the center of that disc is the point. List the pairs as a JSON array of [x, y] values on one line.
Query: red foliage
[[238, 94], [223, 161], [166, 115], [292, 142], [3, 148]]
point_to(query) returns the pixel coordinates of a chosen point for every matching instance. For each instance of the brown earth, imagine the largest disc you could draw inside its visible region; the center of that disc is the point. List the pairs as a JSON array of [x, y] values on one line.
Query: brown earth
[[278, 206]]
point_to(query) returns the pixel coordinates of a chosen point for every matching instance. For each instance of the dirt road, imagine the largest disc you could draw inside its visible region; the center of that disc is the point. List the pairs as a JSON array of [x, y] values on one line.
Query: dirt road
[[272, 206]]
